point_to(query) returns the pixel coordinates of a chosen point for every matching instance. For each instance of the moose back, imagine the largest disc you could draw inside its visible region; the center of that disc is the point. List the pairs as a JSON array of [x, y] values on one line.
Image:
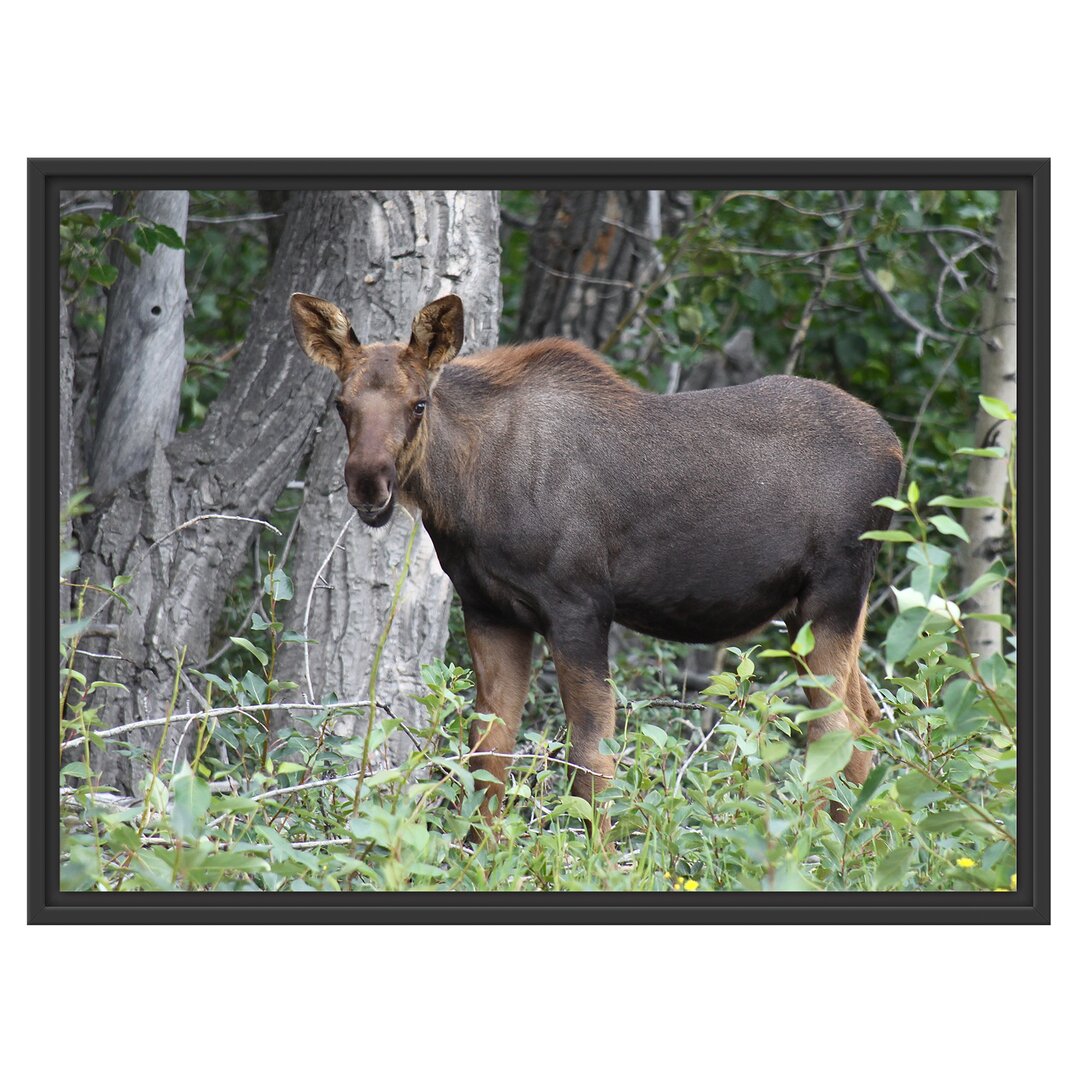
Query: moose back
[[561, 498]]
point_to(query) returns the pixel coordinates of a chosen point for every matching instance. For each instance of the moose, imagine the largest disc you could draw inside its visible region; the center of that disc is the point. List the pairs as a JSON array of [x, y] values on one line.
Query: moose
[[561, 498]]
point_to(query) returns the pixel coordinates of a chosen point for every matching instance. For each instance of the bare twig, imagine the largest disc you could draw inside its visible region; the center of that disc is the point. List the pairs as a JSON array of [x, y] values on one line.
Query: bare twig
[[957, 230], [897, 310], [950, 267], [130, 571], [585, 278], [837, 211], [827, 263], [278, 706], [929, 396]]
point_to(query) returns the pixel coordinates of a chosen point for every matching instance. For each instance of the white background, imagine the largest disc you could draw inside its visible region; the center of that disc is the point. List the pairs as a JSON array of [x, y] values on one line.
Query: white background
[[557, 80]]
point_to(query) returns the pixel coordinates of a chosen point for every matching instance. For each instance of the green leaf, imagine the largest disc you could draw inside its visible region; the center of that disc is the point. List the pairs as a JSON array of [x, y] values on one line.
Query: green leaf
[[981, 451], [994, 576], [870, 787], [996, 408], [913, 492], [146, 238], [914, 791], [949, 821], [103, 274], [903, 634], [893, 868], [215, 680], [771, 752], [191, 800], [278, 585], [168, 236], [981, 502], [806, 715], [745, 668], [894, 536], [946, 525], [576, 808], [77, 768], [890, 503], [253, 649], [803, 644], [723, 683], [658, 735], [828, 755]]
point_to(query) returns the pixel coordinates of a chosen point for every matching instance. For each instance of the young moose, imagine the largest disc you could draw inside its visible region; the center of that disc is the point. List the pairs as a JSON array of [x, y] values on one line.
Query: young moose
[[561, 498]]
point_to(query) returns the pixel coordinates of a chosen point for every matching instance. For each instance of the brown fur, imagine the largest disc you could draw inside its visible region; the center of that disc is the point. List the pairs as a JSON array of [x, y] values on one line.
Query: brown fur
[[561, 498], [502, 658]]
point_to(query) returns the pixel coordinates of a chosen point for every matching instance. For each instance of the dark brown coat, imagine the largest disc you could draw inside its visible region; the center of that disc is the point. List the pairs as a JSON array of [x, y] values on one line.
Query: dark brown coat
[[561, 498]]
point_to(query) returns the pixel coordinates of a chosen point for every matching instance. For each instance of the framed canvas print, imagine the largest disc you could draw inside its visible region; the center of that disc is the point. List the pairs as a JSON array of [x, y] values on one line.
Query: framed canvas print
[[539, 540]]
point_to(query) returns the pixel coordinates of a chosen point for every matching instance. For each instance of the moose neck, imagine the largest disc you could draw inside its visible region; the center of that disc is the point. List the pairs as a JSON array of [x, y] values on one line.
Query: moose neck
[[437, 482]]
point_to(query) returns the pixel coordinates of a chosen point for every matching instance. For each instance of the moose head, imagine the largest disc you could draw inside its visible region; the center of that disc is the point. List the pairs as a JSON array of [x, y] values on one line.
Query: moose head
[[385, 392]]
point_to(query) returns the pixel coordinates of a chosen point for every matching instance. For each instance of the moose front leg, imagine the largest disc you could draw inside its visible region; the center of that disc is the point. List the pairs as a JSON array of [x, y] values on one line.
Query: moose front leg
[[502, 661], [580, 654]]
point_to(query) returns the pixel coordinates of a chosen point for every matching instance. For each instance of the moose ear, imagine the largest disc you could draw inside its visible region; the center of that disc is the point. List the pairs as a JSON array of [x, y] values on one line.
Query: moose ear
[[322, 330], [438, 331]]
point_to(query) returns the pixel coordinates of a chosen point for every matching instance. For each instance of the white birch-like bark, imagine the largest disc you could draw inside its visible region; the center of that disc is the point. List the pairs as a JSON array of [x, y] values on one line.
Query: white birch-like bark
[[988, 528], [142, 354]]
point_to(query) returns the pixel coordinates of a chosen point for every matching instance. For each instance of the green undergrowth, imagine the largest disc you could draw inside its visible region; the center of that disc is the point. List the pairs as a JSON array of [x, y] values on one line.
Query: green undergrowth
[[713, 793]]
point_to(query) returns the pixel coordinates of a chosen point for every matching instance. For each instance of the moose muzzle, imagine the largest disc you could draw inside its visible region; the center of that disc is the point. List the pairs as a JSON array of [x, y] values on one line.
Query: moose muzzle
[[370, 486]]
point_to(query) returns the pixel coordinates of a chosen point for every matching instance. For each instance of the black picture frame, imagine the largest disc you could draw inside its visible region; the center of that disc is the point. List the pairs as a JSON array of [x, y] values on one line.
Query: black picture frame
[[1030, 177]]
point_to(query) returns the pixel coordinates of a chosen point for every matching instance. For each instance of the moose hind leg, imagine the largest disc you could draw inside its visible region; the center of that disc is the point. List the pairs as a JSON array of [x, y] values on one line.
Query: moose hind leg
[[835, 654], [502, 663]]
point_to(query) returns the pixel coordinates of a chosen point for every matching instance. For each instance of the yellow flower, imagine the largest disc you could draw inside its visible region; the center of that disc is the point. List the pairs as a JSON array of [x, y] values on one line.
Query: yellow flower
[[1001, 890], [965, 863], [667, 874], [691, 885], [680, 880], [676, 886], [1012, 881]]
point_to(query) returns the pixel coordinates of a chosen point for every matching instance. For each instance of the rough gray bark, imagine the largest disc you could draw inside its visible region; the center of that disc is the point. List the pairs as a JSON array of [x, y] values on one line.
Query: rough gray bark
[[987, 528], [414, 247], [67, 433], [590, 255], [142, 357], [253, 443]]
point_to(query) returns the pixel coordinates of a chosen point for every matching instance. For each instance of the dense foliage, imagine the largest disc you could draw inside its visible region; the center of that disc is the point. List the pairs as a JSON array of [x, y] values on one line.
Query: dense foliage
[[713, 791]]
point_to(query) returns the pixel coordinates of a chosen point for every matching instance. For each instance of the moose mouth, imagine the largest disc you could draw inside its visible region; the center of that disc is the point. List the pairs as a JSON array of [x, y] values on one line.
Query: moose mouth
[[376, 517]]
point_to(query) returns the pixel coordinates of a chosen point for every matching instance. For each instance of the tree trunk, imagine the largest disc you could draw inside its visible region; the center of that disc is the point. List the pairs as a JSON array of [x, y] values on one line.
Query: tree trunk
[[416, 246], [989, 476], [67, 427], [142, 356], [253, 443], [590, 256]]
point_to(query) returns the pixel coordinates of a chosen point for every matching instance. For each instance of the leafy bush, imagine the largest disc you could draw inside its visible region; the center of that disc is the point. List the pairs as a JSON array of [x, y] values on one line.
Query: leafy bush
[[273, 798]]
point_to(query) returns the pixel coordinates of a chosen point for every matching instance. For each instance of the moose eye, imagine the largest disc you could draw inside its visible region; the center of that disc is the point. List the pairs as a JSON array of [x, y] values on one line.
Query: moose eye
[[419, 407]]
